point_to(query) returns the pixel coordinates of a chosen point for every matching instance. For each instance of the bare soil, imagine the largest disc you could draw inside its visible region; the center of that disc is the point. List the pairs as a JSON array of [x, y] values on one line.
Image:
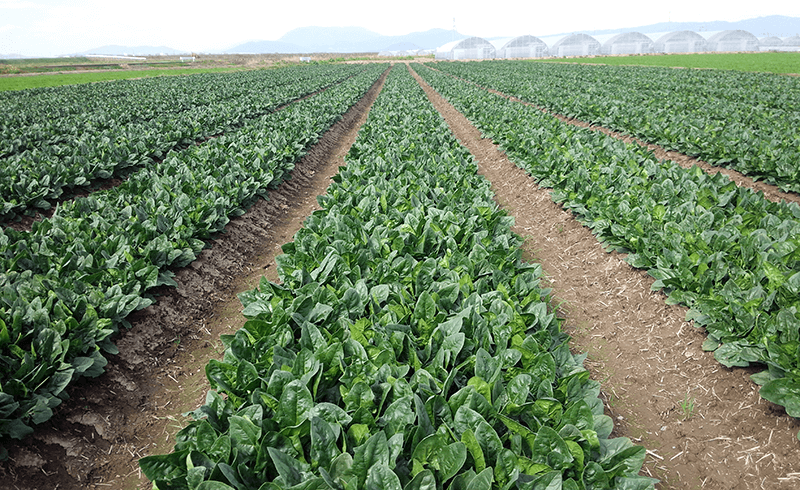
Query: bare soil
[[704, 425]]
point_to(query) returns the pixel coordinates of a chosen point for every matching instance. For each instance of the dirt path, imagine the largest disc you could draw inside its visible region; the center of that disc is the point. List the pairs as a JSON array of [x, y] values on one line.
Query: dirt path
[[704, 425], [96, 439]]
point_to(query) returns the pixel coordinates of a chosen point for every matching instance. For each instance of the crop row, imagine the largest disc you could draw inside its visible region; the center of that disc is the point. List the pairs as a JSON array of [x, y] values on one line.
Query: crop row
[[130, 124], [726, 252], [747, 121], [68, 283], [54, 115], [407, 347]]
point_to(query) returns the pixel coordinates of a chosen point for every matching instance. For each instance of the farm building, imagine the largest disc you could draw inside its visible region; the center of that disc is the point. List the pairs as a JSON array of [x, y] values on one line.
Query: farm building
[[628, 43], [769, 43], [576, 45], [498, 44], [791, 43], [521, 47], [471, 48], [733, 40], [680, 42], [405, 52]]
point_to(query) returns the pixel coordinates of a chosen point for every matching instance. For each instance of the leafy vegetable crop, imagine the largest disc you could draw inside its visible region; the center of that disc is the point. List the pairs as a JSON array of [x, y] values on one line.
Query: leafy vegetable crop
[[772, 62], [747, 121], [52, 140], [726, 252], [66, 285], [407, 347]]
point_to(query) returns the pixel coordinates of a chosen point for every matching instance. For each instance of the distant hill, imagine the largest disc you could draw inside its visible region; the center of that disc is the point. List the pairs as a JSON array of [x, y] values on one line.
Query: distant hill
[[344, 40], [403, 47], [266, 47], [332, 39], [360, 40], [132, 50], [772, 25]]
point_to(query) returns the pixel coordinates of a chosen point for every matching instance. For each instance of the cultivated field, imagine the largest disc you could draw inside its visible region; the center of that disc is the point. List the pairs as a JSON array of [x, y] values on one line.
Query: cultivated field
[[407, 332], [771, 62], [53, 72]]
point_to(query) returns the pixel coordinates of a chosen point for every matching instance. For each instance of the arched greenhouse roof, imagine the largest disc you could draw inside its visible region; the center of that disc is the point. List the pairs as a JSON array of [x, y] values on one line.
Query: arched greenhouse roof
[[526, 46], [770, 41], [576, 45], [792, 41], [471, 48], [445, 51], [499, 43], [628, 43], [732, 40], [680, 42]]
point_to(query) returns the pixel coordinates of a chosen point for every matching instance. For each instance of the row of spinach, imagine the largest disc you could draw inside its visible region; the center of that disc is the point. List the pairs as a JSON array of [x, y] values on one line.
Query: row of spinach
[[67, 284], [724, 251], [38, 117], [747, 121], [114, 127], [53, 115], [408, 346]]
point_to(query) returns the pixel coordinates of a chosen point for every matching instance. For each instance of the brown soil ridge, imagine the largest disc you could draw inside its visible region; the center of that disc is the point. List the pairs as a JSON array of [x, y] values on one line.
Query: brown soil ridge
[[703, 425], [96, 438], [771, 192]]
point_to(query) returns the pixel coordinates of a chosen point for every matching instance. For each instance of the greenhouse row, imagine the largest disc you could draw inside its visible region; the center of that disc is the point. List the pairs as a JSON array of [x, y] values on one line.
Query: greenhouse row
[[407, 52], [625, 43]]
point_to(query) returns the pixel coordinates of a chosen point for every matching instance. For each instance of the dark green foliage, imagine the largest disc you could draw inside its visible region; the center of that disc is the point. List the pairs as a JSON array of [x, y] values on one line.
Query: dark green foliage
[[66, 138], [747, 121], [408, 347], [66, 285], [730, 255]]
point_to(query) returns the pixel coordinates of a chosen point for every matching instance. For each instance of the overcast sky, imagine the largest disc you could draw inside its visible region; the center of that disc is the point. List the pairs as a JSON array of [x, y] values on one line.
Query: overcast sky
[[54, 27]]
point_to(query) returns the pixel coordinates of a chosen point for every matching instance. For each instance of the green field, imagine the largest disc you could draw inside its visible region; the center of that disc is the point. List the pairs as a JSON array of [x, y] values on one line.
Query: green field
[[33, 81], [52, 65], [763, 62]]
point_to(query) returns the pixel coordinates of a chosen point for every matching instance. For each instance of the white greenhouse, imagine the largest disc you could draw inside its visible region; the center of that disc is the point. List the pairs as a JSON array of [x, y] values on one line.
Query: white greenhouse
[[791, 43], [575, 45], [521, 47], [471, 48], [733, 40], [680, 42], [628, 43], [770, 43]]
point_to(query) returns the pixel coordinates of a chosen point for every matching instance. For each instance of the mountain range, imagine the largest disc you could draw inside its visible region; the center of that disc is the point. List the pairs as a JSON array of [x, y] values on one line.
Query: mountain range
[[361, 40], [116, 49], [345, 40], [772, 25]]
